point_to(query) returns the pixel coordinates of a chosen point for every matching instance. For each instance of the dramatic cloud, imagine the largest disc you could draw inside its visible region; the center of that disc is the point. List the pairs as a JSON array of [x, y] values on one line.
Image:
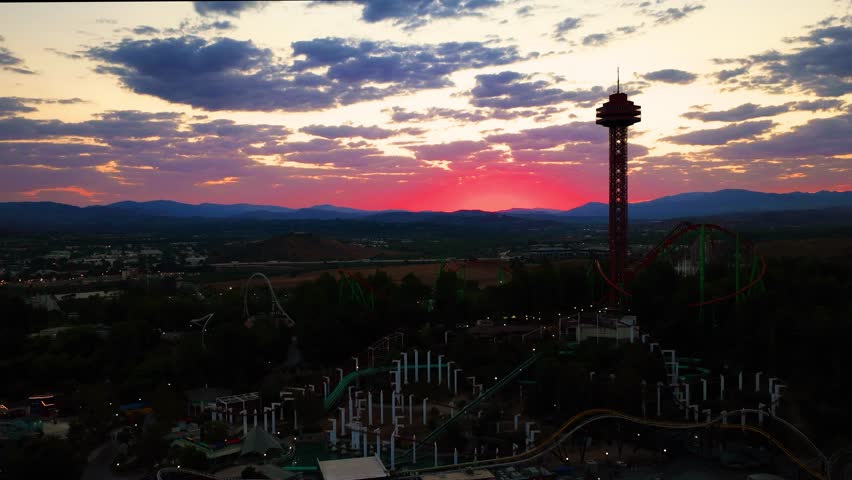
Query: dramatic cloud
[[745, 111], [506, 90], [819, 137], [597, 39], [670, 15], [721, 136], [670, 75], [565, 26], [11, 63], [412, 14], [14, 105], [349, 131], [823, 66], [146, 30], [471, 116], [232, 9], [227, 74]]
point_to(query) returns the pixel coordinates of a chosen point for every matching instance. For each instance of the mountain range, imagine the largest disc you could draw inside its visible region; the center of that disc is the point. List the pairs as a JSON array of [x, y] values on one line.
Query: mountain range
[[684, 205]]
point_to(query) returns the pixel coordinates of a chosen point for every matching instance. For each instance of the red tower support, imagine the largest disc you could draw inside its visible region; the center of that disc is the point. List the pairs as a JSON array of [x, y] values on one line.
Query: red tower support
[[617, 114]]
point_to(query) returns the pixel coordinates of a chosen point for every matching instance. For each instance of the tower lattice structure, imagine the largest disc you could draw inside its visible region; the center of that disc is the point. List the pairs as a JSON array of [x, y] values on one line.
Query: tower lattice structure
[[618, 114]]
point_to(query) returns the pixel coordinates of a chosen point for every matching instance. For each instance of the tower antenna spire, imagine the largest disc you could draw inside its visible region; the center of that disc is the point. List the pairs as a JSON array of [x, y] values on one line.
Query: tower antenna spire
[[617, 79]]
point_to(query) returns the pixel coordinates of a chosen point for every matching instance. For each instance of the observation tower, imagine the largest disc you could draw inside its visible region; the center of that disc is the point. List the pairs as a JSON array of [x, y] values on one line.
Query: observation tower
[[617, 114]]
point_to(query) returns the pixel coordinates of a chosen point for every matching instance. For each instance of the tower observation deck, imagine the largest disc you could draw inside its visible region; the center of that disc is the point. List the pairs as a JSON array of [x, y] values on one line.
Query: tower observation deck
[[617, 114]]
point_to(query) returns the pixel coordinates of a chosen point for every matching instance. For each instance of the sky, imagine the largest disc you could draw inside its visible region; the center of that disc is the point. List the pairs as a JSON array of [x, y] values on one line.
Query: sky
[[417, 104]]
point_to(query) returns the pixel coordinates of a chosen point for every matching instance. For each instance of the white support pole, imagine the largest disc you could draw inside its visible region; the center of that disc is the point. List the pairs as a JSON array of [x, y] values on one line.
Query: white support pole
[[255, 418], [435, 449], [740, 378], [757, 381], [411, 409], [382, 407], [369, 408], [429, 366], [405, 369], [659, 409], [244, 413], [333, 433], [455, 456], [424, 410], [364, 440], [416, 364], [342, 421], [351, 409], [398, 367], [703, 390], [449, 374], [440, 369], [771, 383], [265, 423], [378, 442], [517, 415], [721, 387], [414, 449], [392, 452], [393, 409]]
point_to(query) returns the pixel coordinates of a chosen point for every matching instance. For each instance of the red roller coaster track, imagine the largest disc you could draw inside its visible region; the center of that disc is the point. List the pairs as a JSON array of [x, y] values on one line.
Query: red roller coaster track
[[678, 232]]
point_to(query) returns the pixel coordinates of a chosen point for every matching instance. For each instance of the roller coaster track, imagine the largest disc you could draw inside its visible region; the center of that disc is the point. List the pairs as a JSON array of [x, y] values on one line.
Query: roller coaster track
[[276, 307], [484, 395], [679, 231], [587, 417]]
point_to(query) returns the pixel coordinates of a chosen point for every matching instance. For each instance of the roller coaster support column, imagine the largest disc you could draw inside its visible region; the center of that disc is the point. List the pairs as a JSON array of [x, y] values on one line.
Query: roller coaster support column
[[757, 381], [439, 368], [416, 370], [274, 428], [378, 443], [516, 421], [449, 375], [703, 390], [644, 406], [392, 452], [382, 407], [393, 409], [369, 408], [411, 409], [342, 421], [332, 434], [435, 450], [737, 269], [456, 381], [740, 380], [772, 381], [364, 441], [424, 410], [398, 379], [405, 363], [455, 456], [721, 387], [244, 413], [255, 418], [429, 366], [659, 406]]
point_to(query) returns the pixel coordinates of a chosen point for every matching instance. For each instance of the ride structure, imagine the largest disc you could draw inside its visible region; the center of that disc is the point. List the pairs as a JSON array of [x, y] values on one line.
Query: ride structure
[[276, 311], [617, 115]]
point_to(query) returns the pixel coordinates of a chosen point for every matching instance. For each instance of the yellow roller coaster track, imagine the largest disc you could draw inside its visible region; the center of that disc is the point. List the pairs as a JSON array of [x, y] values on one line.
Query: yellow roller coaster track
[[588, 416]]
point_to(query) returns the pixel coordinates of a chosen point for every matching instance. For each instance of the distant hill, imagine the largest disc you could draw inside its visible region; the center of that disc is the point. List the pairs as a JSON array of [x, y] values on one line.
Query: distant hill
[[698, 204], [49, 215]]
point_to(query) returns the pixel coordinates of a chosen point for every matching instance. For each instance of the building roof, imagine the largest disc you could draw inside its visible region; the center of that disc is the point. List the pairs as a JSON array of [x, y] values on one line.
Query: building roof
[[259, 441], [460, 475], [361, 468]]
